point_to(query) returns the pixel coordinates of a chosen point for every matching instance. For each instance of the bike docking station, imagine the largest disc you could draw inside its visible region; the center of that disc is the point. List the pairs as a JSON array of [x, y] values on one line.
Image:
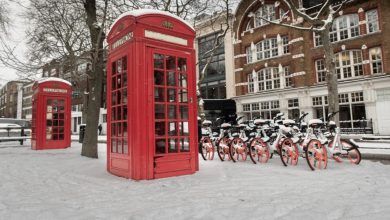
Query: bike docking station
[[51, 114], [151, 98]]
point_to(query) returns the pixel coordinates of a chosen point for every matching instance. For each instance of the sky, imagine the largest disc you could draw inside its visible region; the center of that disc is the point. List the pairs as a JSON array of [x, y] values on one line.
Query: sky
[[17, 38]]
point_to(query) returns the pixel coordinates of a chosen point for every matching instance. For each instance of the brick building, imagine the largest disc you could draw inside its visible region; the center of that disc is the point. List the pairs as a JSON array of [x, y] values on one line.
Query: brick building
[[11, 100], [27, 100], [279, 69]]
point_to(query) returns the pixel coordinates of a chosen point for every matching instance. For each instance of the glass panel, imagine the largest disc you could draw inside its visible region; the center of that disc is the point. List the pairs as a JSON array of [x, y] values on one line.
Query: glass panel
[[171, 79], [184, 145], [159, 128], [159, 111], [124, 79], [172, 129], [182, 64], [172, 146], [183, 80], [171, 63], [119, 66], [159, 94], [119, 146], [124, 112], [124, 96], [124, 63], [171, 95], [125, 147], [160, 146], [183, 126], [183, 112], [113, 145], [183, 96], [124, 125], [61, 116], [158, 77], [172, 111], [158, 61]]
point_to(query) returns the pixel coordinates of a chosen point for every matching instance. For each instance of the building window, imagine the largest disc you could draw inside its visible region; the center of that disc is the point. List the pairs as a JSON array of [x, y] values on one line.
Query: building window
[[287, 75], [349, 64], [216, 67], [376, 60], [321, 71], [251, 85], [286, 49], [357, 97], [249, 57], [317, 101], [246, 107], [343, 98], [344, 27], [267, 12], [267, 48], [372, 21], [269, 109], [293, 108], [268, 79]]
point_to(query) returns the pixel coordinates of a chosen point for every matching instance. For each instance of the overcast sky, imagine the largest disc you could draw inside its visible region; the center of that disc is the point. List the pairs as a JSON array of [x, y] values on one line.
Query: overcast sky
[[17, 38]]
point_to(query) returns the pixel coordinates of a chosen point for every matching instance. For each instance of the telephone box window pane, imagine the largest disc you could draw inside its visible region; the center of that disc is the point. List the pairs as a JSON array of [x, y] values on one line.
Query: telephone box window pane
[[125, 147], [61, 116], [159, 94], [119, 146], [49, 122], [158, 61], [118, 82], [183, 96], [172, 146], [159, 111], [113, 68], [124, 126], [55, 136], [113, 101], [159, 128], [124, 94], [158, 78], [55, 116], [119, 66], [61, 136], [171, 63], [113, 146], [183, 112], [171, 95], [55, 130], [124, 112], [184, 145], [124, 63], [61, 130], [119, 115], [118, 97], [172, 129], [55, 123], [171, 78], [113, 83], [183, 126], [182, 63], [183, 80], [172, 111], [124, 79], [160, 146], [113, 130], [48, 103]]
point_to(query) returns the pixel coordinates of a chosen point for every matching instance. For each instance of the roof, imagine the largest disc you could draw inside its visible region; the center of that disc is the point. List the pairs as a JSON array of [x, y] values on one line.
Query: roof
[[141, 12], [53, 79]]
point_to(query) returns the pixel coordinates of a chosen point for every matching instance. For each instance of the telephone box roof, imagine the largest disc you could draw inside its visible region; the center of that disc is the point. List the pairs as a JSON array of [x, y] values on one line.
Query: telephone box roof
[[141, 12], [53, 79]]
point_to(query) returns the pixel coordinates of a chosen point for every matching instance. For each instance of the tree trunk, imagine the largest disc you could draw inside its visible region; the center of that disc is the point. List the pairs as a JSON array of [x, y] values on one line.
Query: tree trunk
[[331, 75], [95, 78]]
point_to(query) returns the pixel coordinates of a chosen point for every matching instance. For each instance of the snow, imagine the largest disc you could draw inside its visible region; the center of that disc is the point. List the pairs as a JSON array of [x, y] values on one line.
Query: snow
[[141, 12], [53, 79], [60, 184]]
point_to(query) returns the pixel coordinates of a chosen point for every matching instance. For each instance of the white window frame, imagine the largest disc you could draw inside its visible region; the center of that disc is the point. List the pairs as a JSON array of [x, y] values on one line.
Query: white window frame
[[373, 20], [266, 11], [287, 76], [322, 71], [267, 49], [251, 84], [249, 56], [268, 76], [376, 60]]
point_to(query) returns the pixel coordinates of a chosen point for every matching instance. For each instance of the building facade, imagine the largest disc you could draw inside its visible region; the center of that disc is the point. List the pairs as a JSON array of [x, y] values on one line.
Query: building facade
[[27, 100], [279, 69], [11, 100]]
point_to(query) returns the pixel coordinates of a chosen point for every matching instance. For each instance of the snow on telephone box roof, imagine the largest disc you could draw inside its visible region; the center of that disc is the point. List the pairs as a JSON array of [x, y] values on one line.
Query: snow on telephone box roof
[[53, 79], [140, 12]]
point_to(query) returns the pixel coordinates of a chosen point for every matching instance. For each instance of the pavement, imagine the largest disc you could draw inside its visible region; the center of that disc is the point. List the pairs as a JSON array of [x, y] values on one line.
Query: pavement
[[371, 149]]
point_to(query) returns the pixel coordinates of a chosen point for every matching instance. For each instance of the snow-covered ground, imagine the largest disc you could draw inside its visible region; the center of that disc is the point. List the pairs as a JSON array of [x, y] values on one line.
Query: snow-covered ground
[[60, 184]]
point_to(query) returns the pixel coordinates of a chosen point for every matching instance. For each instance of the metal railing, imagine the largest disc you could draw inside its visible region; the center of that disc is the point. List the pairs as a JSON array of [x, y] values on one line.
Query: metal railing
[[361, 126]]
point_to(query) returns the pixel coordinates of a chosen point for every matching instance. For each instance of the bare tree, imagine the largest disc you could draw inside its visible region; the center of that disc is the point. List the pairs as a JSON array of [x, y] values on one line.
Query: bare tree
[[4, 16], [319, 22]]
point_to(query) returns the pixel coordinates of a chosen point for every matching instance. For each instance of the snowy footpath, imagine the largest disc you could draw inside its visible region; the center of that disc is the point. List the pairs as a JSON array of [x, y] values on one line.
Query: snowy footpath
[[60, 184]]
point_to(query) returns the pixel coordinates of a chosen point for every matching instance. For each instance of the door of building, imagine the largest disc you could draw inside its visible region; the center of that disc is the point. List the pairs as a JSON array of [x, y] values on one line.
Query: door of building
[[382, 106], [55, 120], [172, 107]]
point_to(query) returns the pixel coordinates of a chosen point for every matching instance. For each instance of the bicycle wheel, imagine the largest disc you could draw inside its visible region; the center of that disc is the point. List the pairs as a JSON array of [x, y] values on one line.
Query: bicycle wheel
[[237, 149], [316, 155], [223, 148], [207, 148], [353, 153], [289, 152], [259, 151]]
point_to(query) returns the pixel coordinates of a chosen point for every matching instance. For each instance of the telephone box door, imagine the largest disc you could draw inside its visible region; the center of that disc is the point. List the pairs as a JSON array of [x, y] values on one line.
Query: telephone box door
[[55, 120], [173, 114]]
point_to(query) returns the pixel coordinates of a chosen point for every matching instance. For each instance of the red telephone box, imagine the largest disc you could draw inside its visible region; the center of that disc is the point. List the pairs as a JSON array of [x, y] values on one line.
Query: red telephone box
[[51, 114], [152, 126]]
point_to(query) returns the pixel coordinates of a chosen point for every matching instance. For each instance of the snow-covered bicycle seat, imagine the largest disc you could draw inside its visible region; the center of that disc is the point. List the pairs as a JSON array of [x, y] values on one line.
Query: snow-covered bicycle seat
[[260, 122], [288, 122], [226, 125], [315, 123], [206, 123]]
